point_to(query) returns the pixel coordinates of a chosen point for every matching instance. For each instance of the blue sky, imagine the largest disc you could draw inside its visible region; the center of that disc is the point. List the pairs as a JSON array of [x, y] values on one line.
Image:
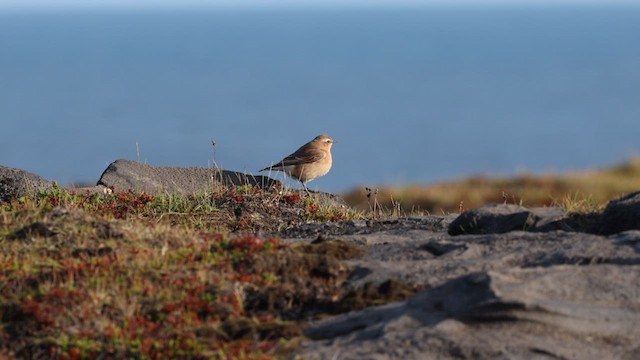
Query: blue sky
[[114, 4]]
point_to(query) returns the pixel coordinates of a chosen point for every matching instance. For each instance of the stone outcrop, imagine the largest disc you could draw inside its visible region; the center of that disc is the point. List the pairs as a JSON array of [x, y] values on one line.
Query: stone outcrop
[[123, 175], [544, 290], [16, 183], [621, 214], [502, 218], [561, 312]]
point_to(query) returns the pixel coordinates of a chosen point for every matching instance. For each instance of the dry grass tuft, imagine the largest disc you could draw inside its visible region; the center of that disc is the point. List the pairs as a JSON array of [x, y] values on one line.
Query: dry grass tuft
[[580, 191]]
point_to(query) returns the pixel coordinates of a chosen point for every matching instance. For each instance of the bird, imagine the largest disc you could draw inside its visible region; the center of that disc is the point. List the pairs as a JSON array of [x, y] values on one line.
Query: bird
[[310, 161]]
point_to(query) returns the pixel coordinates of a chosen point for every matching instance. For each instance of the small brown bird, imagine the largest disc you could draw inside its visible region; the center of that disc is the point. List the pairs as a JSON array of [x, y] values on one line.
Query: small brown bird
[[312, 160]]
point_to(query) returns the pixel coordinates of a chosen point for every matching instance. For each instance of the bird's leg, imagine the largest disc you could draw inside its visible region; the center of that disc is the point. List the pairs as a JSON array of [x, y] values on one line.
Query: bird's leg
[[305, 188]]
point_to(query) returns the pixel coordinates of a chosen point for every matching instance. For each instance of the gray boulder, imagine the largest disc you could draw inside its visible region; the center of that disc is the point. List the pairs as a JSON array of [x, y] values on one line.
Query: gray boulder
[[562, 312], [520, 294], [621, 215], [426, 258], [16, 183], [497, 219], [123, 175]]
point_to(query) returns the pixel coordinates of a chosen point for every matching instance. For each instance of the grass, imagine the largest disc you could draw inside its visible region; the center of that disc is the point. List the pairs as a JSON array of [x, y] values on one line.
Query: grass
[[130, 275], [580, 191]]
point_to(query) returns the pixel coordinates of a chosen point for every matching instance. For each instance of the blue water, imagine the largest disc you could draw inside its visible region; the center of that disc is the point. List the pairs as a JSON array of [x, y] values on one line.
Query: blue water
[[411, 96]]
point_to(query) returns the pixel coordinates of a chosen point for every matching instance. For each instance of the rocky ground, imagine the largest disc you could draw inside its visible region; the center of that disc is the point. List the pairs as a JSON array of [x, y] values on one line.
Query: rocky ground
[[516, 294], [499, 282]]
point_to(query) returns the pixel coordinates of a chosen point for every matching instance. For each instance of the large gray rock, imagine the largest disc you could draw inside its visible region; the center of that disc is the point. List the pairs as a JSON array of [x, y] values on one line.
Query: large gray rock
[[562, 312], [621, 215], [502, 218], [16, 183], [123, 175], [520, 294], [424, 258]]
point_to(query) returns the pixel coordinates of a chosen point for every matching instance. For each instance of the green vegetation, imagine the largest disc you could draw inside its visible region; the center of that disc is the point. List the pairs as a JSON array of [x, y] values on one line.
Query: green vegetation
[[130, 275], [577, 192]]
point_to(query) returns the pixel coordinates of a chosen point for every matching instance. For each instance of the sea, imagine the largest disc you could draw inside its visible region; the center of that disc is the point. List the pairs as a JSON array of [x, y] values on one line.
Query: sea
[[412, 95]]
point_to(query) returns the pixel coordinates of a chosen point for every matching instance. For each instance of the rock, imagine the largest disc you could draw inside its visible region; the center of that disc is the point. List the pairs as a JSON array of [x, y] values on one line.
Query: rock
[[491, 220], [561, 312], [621, 215], [516, 294], [312, 230], [123, 175], [16, 183], [497, 219], [630, 238], [425, 258], [546, 219]]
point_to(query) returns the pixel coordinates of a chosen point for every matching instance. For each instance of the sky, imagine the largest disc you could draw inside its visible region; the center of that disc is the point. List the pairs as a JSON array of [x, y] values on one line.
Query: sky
[[187, 4]]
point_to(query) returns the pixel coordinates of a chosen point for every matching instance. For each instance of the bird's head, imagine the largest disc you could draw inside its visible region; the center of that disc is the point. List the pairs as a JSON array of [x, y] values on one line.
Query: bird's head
[[324, 140]]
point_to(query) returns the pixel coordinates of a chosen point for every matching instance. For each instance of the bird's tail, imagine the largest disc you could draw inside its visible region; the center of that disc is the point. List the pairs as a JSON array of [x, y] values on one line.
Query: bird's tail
[[271, 168], [275, 167]]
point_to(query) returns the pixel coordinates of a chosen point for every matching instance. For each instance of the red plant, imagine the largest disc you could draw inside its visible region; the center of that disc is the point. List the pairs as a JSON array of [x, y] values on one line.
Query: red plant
[[292, 198], [250, 244]]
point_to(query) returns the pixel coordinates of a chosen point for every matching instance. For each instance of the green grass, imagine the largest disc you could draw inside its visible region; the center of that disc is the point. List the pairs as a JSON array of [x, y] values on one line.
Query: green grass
[[130, 275]]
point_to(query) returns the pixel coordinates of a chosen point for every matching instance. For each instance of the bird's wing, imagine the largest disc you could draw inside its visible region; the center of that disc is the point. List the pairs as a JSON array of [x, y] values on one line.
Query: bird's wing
[[305, 156]]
